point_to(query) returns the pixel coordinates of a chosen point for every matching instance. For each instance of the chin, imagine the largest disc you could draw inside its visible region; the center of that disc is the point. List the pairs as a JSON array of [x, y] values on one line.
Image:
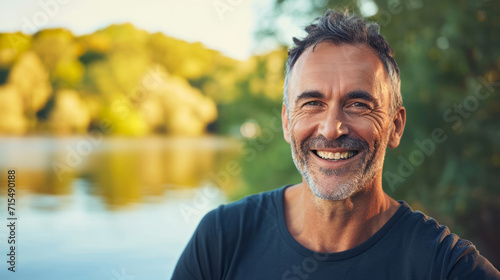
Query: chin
[[334, 191]]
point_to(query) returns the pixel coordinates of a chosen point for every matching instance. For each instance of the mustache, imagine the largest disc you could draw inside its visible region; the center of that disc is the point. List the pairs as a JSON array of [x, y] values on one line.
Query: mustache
[[343, 142]]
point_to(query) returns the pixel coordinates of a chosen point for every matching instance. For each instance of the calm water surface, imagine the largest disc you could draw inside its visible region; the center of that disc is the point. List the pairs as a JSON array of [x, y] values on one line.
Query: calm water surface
[[108, 209]]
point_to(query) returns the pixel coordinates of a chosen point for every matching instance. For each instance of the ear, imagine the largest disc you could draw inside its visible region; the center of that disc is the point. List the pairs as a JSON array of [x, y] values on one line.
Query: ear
[[284, 122], [397, 127]]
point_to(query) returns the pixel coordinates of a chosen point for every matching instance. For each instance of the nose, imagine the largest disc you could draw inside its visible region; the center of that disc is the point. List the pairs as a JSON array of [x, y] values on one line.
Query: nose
[[333, 125]]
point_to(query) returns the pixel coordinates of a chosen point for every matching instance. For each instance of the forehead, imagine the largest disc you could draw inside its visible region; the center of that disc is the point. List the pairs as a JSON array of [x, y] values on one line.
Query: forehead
[[331, 68]]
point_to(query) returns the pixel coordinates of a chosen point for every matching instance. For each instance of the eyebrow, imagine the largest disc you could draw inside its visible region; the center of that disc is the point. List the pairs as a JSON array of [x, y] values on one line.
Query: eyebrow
[[308, 95], [357, 94], [361, 94]]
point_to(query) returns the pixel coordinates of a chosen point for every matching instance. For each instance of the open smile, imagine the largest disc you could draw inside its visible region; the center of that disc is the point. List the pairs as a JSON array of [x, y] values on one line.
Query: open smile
[[335, 156]]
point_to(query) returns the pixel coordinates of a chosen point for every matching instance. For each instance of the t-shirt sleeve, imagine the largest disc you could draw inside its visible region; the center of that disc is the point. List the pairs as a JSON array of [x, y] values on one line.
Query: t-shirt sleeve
[[467, 263], [201, 257]]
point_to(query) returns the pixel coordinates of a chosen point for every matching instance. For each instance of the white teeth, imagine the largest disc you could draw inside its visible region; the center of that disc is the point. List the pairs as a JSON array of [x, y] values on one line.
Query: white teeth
[[335, 156]]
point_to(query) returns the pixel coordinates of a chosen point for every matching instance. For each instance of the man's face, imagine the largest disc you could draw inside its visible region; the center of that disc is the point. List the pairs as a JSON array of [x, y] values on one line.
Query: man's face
[[338, 122]]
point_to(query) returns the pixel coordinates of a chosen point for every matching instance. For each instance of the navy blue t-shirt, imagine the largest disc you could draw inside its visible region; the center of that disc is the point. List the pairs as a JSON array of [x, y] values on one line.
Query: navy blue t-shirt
[[248, 239]]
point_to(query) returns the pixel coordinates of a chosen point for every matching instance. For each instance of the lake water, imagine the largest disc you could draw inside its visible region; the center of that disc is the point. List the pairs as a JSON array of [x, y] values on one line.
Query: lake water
[[113, 208]]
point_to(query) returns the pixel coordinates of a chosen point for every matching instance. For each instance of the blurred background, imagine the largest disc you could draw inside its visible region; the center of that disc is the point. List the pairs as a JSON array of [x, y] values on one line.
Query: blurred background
[[127, 121]]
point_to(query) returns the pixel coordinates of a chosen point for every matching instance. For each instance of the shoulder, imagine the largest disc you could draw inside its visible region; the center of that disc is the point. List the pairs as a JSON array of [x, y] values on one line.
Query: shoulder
[[427, 234], [423, 228], [444, 252], [254, 203], [247, 211]]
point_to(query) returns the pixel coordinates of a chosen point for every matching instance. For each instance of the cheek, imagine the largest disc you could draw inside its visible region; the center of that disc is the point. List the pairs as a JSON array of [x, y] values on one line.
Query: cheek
[[301, 127], [368, 130]]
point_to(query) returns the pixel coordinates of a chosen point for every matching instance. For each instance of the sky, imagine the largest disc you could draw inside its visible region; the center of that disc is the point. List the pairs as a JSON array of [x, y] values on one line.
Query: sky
[[224, 25]]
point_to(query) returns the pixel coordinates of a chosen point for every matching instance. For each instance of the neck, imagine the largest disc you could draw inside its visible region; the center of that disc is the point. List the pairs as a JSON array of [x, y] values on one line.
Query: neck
[[335, 226]]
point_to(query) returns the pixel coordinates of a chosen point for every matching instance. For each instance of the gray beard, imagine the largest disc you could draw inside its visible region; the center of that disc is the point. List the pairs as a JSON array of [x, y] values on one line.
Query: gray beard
[[367, 170]]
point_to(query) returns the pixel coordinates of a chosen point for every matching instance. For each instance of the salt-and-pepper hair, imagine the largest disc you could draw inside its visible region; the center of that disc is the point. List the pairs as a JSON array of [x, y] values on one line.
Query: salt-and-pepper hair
[[343, 28]]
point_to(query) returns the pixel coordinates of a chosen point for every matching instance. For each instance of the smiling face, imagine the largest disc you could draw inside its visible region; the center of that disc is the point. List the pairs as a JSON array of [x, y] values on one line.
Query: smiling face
[[339, 122]]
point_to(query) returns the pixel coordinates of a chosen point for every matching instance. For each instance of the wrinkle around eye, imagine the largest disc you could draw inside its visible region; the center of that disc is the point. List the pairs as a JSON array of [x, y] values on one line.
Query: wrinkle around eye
[[360, 104], [315, 102], [359, 107]]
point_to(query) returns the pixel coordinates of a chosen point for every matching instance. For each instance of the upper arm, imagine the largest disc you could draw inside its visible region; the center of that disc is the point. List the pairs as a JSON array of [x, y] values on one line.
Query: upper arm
[[469, 264], [201, 257], [461, 260]]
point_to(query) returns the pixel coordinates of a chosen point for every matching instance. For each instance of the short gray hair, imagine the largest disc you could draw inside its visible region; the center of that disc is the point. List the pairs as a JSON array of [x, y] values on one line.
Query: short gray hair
[[342, 28]]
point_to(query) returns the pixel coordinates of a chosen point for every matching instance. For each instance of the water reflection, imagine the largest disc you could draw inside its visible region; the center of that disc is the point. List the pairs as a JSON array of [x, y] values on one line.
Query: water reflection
[[125, 204], [122, 171]]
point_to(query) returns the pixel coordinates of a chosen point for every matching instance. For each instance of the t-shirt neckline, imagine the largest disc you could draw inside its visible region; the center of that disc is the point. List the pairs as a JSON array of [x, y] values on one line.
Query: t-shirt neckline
[[404, 208]]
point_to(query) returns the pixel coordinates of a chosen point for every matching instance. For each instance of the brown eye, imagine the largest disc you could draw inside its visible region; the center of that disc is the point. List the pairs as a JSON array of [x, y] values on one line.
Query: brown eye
[[360, 105], [312, 103]]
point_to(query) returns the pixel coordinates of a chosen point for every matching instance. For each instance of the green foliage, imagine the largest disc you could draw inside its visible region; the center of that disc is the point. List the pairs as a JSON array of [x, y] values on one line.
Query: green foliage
[[141, 82], [449, 56]]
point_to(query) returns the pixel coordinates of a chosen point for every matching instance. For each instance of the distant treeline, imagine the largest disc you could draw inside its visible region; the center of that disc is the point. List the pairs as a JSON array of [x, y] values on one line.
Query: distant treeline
[[137, 83]]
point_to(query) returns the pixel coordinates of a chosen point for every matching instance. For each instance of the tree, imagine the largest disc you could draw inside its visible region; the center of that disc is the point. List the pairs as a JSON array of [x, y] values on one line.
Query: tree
[[31, 81], [449, 57]]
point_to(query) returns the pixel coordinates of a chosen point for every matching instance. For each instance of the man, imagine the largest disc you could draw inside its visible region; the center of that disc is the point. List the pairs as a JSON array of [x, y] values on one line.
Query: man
[[342, 108]]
